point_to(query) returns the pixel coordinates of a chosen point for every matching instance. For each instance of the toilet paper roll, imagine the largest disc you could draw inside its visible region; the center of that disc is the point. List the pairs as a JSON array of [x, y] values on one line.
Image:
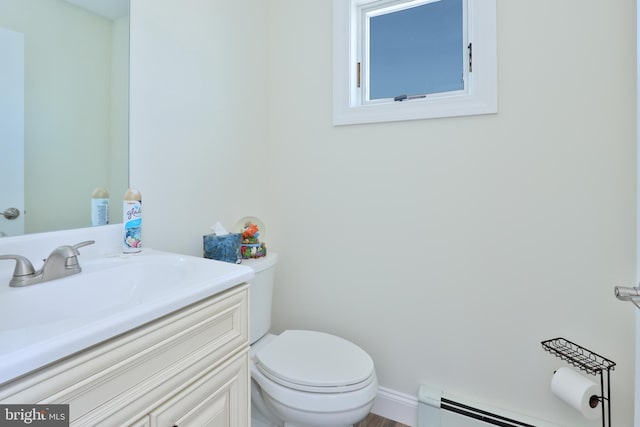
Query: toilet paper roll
[[577, 391]]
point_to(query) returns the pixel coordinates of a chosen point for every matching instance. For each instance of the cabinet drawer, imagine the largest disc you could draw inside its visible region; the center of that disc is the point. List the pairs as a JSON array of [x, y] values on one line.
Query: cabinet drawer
[[122, 376]]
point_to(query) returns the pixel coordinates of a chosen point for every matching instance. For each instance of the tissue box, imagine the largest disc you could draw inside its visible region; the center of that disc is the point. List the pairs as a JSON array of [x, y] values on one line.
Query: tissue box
[[223, 248]]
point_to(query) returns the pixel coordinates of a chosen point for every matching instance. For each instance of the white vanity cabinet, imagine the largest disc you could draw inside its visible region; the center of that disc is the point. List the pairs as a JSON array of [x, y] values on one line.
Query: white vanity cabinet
[[189, 368]]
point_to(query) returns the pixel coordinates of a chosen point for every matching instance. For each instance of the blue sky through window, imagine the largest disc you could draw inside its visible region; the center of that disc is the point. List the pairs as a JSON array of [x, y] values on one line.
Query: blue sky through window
[[416, 51]]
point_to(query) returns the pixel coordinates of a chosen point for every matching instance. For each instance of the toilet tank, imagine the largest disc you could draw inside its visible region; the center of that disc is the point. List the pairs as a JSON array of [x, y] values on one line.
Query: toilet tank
[[260, 294]]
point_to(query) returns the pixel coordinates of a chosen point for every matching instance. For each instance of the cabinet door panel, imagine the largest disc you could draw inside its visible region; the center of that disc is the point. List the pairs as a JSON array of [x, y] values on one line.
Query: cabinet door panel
[[218, 399]]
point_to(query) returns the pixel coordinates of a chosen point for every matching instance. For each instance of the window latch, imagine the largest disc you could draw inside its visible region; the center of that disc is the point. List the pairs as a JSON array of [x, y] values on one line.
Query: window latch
[[401, 98]]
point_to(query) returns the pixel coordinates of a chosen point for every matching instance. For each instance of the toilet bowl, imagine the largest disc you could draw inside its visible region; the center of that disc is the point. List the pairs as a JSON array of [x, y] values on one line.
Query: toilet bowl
[[303, 378], [309, 378]]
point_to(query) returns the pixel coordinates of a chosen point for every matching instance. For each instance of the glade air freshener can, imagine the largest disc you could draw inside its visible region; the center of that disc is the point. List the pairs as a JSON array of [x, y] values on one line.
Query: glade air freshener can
[[132, 221]]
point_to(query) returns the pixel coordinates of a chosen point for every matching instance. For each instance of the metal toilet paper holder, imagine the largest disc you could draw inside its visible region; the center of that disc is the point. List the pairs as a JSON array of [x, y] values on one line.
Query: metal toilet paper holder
[[587, 361]]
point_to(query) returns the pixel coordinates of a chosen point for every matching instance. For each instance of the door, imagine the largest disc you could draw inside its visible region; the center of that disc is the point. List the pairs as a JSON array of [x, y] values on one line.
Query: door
[[217, 399], [11, 132]]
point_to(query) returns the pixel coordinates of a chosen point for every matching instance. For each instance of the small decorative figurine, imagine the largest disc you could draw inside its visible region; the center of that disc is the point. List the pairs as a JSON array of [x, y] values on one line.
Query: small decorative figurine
[[250, 246]]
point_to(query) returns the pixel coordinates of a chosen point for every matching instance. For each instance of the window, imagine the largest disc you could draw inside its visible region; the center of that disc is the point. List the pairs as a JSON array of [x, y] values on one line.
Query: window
[[413, 59], [415, 51]]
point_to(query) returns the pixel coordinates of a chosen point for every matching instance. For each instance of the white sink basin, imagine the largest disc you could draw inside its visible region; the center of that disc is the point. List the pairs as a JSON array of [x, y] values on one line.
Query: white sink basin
[[44, 322]]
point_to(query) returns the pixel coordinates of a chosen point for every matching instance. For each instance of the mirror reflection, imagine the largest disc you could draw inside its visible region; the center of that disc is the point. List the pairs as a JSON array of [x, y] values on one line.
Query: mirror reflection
[[64, 125]]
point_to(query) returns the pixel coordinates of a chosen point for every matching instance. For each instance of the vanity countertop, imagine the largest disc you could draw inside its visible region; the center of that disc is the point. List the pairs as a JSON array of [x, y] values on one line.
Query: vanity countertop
[[114, 293]]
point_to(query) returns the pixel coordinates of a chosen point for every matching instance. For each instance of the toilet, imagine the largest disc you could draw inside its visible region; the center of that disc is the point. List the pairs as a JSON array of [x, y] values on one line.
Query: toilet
[[302, 378]]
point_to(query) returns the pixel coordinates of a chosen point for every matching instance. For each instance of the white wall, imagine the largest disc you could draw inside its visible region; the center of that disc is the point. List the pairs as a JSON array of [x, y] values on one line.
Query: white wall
[[197, 127], [448, 248]]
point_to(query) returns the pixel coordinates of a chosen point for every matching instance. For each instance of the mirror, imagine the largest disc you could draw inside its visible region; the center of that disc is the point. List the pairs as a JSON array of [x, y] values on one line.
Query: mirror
[[75, 109]]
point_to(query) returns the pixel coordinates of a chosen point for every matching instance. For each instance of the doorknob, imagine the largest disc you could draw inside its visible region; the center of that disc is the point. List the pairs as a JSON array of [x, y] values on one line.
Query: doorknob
[[11, 213]]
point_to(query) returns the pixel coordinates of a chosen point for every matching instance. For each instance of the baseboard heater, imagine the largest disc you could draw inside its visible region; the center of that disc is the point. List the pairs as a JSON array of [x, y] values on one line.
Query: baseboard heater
[[480, 415], [439, 409]]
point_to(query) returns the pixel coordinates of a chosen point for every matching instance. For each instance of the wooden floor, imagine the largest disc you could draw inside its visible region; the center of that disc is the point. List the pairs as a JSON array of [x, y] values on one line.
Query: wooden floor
[[373, 420]]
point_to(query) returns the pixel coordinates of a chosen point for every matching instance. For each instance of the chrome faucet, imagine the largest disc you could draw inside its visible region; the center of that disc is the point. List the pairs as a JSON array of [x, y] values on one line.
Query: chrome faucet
[[63, 261]]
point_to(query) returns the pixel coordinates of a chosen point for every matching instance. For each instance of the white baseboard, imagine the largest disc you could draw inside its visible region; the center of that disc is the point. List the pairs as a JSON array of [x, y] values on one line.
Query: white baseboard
[[396, 406]]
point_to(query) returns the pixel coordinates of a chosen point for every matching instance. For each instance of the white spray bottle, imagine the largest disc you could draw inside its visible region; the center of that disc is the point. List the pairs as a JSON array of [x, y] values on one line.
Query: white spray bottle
[[132, 219], [100, 206]]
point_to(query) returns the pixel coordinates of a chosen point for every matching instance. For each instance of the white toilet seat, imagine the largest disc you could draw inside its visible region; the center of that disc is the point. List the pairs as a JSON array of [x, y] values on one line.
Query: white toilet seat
[[306, 391], [315, 362]]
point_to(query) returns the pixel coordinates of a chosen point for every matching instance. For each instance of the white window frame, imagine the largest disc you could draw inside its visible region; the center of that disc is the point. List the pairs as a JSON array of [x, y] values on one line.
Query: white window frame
[[480, 94]]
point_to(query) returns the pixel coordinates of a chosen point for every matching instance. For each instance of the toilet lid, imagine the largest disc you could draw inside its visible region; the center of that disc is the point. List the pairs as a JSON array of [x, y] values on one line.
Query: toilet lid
[[315, 361]]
